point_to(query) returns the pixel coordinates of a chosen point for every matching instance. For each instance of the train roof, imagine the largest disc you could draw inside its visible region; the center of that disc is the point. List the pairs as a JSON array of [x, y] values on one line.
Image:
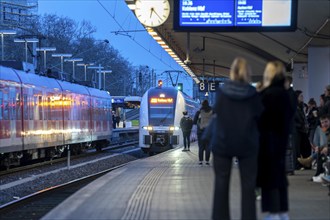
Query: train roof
[[98, 93], [8, 74], [30, 79]]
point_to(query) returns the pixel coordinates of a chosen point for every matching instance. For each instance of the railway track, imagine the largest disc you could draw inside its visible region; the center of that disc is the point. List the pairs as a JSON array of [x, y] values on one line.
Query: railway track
[[117, 145], [36, 205]]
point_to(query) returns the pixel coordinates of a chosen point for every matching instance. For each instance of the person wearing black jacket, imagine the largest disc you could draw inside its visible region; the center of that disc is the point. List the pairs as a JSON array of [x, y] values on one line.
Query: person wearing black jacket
[[312, 118], [325, 109], [291, 160], [186, 124], [303, 147], [274, 132], [235, 134]]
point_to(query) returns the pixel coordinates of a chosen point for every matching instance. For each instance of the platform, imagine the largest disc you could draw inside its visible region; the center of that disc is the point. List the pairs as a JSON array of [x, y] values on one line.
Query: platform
[[172, 185]]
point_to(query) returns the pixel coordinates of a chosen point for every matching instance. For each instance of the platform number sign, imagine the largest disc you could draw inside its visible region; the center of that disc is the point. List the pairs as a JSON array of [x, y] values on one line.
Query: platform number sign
[[208, 86]]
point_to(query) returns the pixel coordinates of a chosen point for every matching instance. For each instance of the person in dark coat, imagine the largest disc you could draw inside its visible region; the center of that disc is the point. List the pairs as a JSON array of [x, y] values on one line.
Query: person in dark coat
[[235, 134], [302, 144], [186, 124], [312, 118], [274, 132], [291, 162], [325, 108], [202, 119], [114, 120]]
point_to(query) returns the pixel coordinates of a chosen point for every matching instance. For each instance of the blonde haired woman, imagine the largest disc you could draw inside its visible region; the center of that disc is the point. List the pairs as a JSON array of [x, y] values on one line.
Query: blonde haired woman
[[235, 134], [274, 131]]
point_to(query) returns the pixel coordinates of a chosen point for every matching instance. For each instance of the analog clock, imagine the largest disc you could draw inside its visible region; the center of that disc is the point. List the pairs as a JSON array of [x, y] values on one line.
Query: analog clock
[[152, 13]]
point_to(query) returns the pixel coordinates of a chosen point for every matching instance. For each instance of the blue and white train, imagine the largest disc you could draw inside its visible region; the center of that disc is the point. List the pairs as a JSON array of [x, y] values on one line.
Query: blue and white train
[[160, 115]]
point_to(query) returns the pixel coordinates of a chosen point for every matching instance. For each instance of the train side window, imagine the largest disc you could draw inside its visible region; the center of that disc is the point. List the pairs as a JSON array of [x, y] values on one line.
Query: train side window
[[25, 107], [31, 107], [49, 109], [1, 105], [18, 105], [5, 107], [40, 107], [12, 103]]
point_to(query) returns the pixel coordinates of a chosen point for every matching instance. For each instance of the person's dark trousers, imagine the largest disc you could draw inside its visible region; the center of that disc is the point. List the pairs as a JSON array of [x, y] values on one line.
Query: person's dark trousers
[[321, 158], [203, 145], [296, 148], [186, 139], [291, 156], [305, 146], [274, 200], [248, 174]]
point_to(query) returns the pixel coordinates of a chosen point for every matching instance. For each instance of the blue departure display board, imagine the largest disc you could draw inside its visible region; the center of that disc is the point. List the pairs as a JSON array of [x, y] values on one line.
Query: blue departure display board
[[206, 13], [232, 15]]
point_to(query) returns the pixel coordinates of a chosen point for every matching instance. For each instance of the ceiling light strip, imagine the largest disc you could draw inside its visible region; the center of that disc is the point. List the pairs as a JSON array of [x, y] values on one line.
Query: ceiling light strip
[[166, 47]]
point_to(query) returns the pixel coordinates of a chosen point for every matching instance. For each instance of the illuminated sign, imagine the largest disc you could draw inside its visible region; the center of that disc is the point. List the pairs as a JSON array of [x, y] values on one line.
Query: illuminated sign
[[210, 86], [235, 15], [161, 100]]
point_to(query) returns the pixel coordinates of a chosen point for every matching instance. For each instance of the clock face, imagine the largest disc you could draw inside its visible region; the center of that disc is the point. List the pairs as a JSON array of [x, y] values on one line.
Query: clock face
[[152, 13]]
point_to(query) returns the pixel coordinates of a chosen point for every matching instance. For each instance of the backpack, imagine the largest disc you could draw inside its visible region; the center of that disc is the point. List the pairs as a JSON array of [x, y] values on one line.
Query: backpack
[[204, 119], [186, 123]]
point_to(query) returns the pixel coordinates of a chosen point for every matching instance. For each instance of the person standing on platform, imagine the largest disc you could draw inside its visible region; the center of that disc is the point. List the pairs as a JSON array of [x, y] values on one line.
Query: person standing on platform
[[202, 119], [303, 147], [325, 109], [186, 124], [235, 134], [114, 120], [274, 132], [291, 159]]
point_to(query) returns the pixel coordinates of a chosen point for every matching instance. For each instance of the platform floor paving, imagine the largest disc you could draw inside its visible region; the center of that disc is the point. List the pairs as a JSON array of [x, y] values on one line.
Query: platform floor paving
[[172, 185]]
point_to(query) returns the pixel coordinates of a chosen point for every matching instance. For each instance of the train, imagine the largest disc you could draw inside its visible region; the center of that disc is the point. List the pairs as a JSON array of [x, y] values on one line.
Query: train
[[41, 116], [160, 113]]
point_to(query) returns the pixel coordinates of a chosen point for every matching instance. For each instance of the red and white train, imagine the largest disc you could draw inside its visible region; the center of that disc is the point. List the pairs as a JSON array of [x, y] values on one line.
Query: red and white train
[[40, 116]]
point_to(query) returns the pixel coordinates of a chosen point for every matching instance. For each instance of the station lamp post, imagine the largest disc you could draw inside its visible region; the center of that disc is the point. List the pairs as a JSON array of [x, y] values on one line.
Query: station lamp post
[[26, 41], [45, 50], [61, 55], [98, 68], [104, 72], [85, 65], [73, 60], [3, 33]]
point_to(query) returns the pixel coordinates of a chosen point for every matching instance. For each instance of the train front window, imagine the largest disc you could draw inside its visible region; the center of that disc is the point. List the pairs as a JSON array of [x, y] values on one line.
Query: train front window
[[161, 115]]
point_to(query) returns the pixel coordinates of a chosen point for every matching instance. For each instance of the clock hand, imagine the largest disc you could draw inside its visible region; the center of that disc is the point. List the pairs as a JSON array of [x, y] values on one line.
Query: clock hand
[[152, 9], [157, 14]]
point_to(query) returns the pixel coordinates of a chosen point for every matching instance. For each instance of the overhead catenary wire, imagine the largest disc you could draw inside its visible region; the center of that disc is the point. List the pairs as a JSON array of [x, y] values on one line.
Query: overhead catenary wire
[[138, 43]]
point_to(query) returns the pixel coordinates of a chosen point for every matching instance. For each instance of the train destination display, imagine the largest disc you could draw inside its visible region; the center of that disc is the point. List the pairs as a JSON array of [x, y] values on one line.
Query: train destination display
[[200, 15]]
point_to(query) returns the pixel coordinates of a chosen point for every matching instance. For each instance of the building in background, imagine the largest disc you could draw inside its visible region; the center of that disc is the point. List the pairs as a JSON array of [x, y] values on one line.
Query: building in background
[[14, 12]]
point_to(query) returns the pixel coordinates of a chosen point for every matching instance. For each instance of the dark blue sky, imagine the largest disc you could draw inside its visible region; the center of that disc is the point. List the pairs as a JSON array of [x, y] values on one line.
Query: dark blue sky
[[109, 16]]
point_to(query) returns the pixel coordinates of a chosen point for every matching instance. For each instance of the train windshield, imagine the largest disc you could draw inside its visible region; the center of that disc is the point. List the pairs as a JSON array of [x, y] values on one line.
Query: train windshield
[[161, 112]]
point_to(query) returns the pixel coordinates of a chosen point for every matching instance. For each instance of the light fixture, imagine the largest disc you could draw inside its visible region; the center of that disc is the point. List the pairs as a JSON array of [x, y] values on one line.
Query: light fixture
[[167, 48], [45, 50], [26, 40], [73, 60], [61, 55], [104, 72], [98, 68], [85, 65], [2, 33]]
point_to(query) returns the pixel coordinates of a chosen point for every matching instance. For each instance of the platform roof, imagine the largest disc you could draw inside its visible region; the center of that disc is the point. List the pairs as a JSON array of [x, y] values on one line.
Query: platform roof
[[220, 48]]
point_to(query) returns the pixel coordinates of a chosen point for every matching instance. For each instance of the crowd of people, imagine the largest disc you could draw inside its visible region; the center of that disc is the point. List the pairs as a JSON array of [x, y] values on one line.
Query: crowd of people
[[256, 126]]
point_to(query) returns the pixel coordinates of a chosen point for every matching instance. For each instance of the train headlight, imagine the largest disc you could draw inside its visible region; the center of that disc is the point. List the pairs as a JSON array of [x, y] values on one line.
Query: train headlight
[[174, 128], [148, 128]]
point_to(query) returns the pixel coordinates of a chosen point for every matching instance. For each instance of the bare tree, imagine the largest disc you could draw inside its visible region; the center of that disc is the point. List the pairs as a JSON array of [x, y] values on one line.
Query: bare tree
[[69, 36]]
